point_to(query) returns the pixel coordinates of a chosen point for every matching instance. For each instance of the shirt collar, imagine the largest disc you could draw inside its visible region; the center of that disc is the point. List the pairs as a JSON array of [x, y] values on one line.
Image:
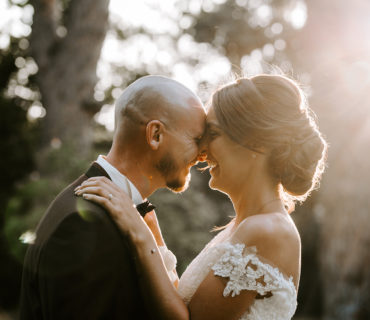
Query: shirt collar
[[120, 180]]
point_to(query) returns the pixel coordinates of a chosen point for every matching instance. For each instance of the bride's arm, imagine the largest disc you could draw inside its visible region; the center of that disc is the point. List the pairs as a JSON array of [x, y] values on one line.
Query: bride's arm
[[152, 222], [160, 294], [170, 260]]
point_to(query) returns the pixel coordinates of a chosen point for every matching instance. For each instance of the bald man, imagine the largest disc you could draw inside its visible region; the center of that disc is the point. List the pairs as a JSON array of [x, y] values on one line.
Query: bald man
[[81, 266]]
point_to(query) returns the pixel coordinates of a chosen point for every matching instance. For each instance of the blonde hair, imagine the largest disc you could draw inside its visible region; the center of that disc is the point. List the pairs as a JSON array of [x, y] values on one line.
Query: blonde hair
[[270, 112]]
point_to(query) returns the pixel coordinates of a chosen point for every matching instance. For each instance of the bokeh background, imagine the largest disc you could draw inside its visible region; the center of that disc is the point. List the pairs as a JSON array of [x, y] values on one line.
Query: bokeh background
[[64, 62]]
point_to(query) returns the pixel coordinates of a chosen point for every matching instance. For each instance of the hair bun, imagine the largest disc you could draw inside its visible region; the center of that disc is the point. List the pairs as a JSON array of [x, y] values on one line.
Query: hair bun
[[299, 163]]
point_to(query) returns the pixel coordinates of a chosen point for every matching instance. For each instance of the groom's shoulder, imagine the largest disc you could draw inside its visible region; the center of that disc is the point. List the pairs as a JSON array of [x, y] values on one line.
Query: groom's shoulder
[[67, 202], [69, 211]]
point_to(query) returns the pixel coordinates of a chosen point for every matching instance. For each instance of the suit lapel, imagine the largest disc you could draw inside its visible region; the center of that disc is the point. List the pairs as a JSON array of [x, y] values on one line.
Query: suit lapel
[[96, 171]]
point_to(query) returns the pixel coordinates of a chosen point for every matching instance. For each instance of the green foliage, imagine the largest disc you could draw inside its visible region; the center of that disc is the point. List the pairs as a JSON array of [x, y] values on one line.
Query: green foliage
[[236, 29], [17, 147], [29, 202], [17, 144]]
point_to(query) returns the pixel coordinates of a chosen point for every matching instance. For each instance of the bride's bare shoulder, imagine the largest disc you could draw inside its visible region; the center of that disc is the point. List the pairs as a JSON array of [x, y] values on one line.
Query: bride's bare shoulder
[[274, 226], [275, 237]]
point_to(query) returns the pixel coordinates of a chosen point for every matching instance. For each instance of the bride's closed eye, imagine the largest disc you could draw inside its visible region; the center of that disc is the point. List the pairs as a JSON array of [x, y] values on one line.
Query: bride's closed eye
[[213, 133]]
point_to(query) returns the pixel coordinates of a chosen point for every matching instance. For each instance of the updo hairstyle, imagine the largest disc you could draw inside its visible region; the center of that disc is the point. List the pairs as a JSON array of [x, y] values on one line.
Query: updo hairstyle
[[270, 113]]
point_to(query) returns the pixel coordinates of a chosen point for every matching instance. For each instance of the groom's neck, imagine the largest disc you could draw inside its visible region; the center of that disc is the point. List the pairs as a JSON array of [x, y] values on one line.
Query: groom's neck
[[131, 167]]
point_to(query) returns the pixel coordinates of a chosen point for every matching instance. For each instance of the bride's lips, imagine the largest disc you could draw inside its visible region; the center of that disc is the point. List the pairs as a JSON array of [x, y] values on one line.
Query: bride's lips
[[191, 164], [213, 169], [212, 165]]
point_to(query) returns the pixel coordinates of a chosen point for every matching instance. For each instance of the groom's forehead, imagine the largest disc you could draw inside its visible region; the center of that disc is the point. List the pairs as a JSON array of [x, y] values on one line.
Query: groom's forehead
[[196, 127]]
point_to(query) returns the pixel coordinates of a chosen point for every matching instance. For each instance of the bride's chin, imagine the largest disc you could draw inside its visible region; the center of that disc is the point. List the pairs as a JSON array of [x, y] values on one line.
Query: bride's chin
[[213, 170], [215, 185], [212, 183]]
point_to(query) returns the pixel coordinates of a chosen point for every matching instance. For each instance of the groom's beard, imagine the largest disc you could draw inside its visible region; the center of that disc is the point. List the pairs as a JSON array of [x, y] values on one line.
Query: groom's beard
[[170, 170]]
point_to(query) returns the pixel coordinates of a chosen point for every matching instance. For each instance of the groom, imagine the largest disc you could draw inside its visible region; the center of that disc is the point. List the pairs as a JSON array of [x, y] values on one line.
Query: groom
[[80, 266]]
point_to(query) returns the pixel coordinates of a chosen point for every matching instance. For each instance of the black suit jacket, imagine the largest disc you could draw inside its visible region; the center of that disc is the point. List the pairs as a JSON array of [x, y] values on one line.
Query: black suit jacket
[[80, 266]]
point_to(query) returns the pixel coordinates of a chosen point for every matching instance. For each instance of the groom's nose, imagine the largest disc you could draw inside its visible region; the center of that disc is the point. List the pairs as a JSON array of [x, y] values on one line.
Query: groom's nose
[[202, 155]]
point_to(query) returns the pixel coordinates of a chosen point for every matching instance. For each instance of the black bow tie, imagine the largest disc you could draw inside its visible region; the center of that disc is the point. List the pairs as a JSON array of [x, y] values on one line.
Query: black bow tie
[[144, 208]]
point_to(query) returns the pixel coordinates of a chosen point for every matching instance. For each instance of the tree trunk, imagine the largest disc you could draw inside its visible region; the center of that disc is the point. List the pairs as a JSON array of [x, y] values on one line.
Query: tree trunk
[[67, 67]]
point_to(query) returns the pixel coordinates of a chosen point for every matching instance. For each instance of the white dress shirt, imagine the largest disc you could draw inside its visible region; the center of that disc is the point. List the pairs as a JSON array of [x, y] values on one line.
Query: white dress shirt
[[127, 186], [120, 180]]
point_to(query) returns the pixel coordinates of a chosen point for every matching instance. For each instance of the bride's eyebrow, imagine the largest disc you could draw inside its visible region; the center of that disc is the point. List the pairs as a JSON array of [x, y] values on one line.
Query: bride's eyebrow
[[212, 125]]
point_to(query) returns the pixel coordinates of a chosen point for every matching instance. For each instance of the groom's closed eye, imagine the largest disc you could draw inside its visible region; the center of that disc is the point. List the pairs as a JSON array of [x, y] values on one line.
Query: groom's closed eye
[[198, 140]]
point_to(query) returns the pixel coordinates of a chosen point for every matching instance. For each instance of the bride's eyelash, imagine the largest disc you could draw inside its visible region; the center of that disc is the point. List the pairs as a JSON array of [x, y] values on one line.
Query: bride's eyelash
[[213, 133]]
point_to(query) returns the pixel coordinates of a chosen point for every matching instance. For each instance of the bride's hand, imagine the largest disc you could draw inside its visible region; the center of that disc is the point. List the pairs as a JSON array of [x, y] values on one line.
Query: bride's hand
[[104, 192]]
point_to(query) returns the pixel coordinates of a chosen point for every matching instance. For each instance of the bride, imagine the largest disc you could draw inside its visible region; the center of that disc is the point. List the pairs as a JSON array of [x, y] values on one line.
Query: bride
[[265, 151]]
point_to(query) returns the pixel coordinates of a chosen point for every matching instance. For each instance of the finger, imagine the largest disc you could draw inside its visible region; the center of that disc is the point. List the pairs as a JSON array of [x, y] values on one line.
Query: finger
[[103, 183], [86, 183], [102, 186], [94, 183], [98, 199], [110, 186], [93, 190], [100, 181], [108, 183]]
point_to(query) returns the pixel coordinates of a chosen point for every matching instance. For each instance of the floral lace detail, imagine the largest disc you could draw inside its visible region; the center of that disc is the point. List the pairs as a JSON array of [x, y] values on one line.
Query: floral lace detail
[[245, 271]]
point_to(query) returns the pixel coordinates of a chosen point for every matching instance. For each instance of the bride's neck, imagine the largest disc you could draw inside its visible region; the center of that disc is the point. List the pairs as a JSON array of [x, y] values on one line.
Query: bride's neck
[[255, 198]]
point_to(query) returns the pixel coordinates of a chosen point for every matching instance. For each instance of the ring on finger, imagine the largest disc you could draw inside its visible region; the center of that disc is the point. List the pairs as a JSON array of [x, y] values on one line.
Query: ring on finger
[[110, 196]]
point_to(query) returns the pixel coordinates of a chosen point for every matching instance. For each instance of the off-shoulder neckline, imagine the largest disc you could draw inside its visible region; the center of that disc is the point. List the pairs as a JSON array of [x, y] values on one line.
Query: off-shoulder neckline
[[253, 250]]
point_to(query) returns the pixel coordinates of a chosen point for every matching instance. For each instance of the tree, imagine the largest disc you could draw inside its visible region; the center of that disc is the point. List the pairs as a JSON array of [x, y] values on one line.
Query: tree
[[242, 29], [66, 40], [17, 161], [63, 51]]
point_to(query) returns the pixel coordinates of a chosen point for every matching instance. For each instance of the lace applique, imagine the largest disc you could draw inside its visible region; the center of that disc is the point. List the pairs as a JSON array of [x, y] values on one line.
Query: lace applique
[[246, 272]]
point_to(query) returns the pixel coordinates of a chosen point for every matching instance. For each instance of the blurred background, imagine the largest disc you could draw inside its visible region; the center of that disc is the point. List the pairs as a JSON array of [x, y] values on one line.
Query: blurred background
[[64, 62]]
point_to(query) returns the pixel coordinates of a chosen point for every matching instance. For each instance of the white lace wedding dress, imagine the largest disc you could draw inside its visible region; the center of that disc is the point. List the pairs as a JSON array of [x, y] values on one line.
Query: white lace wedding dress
[[243, 267]]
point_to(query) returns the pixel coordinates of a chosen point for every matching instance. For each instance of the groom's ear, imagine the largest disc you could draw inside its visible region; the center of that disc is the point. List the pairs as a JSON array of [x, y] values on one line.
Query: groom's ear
[[154, 134]]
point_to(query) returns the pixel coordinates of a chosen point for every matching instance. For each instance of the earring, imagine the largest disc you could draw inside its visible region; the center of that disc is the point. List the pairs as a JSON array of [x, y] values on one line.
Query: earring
[[254, 156]]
